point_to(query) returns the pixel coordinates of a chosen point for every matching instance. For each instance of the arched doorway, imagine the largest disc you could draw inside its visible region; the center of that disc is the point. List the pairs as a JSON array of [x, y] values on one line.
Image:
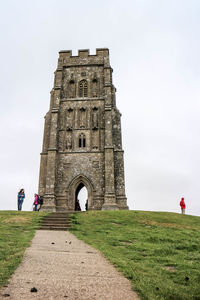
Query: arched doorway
[[81, 198], [80, 188]]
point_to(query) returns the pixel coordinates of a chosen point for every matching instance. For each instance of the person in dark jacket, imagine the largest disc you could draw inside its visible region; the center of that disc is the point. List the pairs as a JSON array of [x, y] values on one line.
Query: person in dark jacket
[[86, 205], [182, 205], [77, 205], [20, 199], [40, 202]]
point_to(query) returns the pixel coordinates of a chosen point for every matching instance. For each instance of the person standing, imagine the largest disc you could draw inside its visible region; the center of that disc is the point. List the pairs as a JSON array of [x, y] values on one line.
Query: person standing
[[40, 202], [77, 205], [86, 205], [20, 199], [36, 201], [182, 205]]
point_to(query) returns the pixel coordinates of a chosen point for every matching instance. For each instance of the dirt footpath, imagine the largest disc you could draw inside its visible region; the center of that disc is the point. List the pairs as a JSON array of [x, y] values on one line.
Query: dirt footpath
[[59, 266]]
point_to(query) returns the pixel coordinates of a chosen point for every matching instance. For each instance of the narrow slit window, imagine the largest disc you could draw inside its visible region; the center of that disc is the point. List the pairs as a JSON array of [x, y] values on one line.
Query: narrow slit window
[[79, 142], [84, 142]]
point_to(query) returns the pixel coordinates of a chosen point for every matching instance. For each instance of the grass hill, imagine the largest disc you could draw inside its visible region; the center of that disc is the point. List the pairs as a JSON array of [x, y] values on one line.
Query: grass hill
[[16, 231], [158, 251]]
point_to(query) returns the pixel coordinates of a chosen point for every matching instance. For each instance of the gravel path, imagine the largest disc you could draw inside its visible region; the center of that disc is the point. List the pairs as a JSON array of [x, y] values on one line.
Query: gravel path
[[59, 266]]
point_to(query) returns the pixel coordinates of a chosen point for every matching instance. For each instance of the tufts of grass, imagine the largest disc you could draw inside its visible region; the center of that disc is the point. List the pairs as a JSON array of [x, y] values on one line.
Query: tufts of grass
[[16, 231], [158, 252]]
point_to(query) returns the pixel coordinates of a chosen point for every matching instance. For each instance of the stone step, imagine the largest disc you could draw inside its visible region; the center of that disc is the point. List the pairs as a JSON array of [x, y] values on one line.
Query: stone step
[[53, 221], [58, 215], [56, 218], [61, 210], [53, 228], [56, 221], [56, 224]]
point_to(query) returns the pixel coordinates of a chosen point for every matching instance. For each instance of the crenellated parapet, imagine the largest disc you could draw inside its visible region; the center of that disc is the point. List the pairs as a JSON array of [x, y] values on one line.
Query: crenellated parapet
[[84, 53], [66, 59]]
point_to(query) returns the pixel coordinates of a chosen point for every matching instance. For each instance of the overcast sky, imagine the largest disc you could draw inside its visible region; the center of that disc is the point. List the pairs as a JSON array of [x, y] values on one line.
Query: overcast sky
[[155, 54]]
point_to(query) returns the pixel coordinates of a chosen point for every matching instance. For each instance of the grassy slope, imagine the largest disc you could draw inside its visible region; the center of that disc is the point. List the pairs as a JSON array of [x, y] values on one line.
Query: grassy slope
[[159, 252], [16, 231]]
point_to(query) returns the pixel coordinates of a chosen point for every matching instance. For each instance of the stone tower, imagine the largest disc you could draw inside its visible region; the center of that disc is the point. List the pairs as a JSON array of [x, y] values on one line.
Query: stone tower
[[82, 136]]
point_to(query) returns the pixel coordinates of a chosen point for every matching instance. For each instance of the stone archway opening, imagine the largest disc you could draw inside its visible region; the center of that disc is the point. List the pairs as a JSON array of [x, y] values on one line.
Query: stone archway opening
[[81, 198]]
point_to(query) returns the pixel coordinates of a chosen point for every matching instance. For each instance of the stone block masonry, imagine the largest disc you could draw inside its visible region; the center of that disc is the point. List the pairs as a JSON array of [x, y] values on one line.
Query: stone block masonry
[[82, 136]]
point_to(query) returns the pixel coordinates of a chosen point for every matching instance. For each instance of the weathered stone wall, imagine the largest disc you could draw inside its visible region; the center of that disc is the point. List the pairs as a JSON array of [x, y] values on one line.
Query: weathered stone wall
[[82, 135]]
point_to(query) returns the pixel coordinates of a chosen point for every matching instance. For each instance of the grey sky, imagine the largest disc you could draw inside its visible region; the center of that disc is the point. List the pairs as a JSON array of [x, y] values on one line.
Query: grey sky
[[154, 51]]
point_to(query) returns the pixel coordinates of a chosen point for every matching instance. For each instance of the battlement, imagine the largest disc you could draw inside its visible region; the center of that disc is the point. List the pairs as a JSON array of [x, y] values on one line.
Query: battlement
[[84, 53]]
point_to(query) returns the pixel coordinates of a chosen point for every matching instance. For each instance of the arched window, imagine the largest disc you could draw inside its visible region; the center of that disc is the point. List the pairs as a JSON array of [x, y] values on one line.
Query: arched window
[[82, 141], [83, 88]]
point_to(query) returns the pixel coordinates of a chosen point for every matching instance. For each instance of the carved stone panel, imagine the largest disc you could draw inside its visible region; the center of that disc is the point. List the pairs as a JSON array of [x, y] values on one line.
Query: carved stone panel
[[95, 119], [69, 118], [72, 89], [94, 88], [95, 139], [82, 117], [69, 139]]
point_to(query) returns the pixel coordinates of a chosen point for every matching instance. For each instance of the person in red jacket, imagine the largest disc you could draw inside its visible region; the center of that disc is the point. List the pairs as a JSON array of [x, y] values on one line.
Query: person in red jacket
[[182, 205]]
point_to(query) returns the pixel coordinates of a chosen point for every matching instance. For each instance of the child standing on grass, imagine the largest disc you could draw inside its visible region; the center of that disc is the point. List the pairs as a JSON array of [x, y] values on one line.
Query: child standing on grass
[[182, 205], [36, 201]]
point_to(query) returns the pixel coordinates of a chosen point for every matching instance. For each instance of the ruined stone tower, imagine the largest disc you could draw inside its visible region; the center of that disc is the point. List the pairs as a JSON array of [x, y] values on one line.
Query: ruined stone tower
[[82, 136]]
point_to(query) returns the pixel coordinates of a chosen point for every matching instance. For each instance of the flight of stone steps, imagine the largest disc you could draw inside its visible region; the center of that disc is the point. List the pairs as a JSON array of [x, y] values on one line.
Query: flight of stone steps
[[56, 221]]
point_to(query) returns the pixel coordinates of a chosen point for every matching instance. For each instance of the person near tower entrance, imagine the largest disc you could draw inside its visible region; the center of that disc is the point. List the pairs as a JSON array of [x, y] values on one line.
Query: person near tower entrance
[[86, 205], [20, 199], [182, 205], [77, 205]]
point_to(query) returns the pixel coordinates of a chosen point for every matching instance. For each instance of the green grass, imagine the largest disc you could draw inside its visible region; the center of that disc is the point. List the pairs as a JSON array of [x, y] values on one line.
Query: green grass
[[16, 231], [158, 252]]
